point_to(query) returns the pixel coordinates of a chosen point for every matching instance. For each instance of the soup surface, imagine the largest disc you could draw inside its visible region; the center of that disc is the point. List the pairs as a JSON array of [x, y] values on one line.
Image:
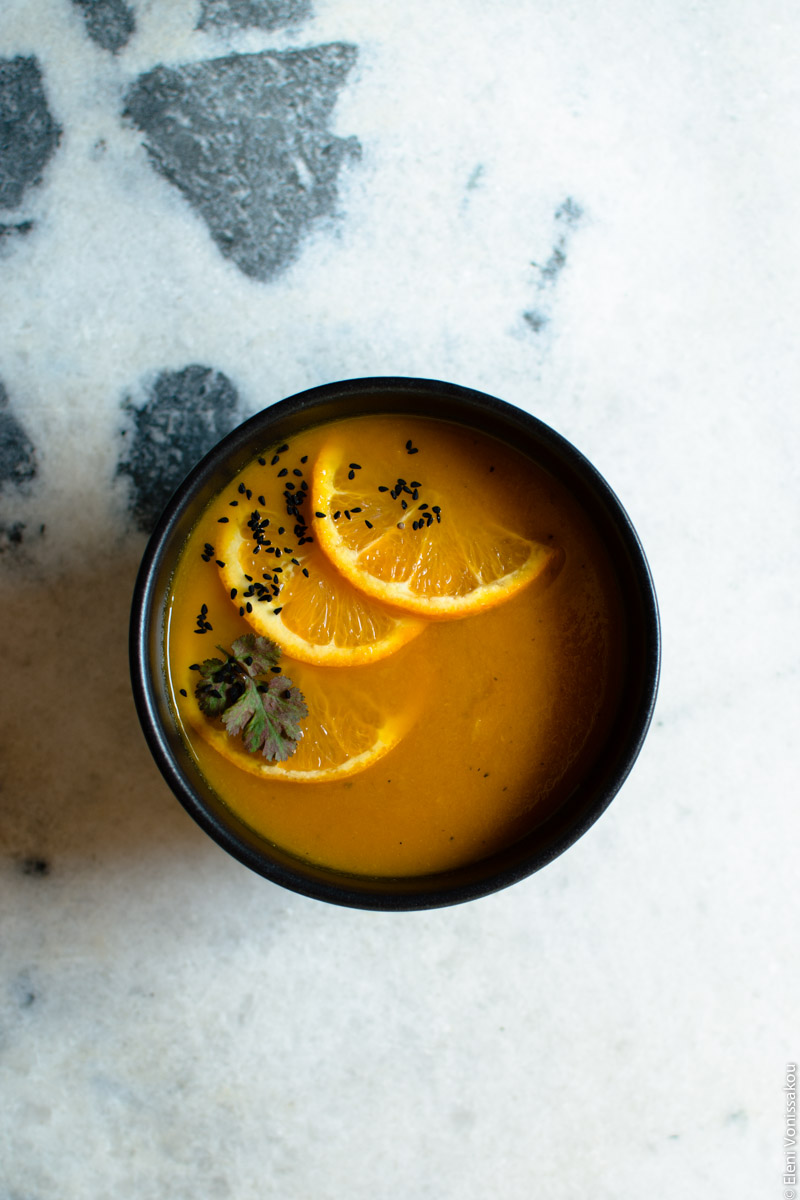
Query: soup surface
[[489, 719]]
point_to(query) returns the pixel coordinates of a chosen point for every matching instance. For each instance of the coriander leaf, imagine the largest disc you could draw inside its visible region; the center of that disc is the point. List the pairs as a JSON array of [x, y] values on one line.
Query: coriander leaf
[[251, 700], [260, 651], [284, 707]]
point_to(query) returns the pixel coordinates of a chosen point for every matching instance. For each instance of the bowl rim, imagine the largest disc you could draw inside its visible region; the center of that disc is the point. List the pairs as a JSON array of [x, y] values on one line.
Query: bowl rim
[[380, 893]]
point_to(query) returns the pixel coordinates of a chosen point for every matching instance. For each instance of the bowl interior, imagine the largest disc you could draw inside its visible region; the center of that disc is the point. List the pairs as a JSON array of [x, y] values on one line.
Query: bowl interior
[[640, 618]]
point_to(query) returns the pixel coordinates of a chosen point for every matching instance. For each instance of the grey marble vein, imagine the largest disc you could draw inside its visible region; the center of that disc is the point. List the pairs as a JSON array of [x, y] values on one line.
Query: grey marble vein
[[246, 140], [109, 23], [28, 133]]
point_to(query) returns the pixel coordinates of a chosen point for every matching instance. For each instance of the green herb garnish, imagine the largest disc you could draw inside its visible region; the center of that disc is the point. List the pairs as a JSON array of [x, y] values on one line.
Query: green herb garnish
[[251, 698]]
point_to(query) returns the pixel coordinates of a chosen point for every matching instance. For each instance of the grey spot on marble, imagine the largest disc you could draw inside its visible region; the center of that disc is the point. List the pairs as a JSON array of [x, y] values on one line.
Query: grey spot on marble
[[11, 535], [109, 23], [536, 320], [23, 994], [184, 415], [28, 133], [261, 14], [246, 140], [475, 178], [737, 1118], [37, 867], [570, 212], [17, 454], [18, 230], [568, 216]]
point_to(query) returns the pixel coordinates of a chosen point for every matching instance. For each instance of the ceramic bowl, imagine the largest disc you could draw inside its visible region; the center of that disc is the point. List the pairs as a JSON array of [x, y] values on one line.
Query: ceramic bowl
[[422, 397]]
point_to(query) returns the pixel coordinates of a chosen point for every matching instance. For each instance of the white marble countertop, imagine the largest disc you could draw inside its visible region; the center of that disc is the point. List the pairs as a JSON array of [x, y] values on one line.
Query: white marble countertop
[[589, 210]]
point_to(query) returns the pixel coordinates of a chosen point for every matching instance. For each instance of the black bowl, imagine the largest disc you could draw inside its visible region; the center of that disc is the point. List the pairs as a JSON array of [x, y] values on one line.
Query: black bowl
[[476, 410]]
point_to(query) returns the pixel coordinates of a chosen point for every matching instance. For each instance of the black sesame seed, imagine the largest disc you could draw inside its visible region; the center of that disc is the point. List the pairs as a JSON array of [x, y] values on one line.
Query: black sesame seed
[[337, 514], [220, 563], [261, 501], [381, 488], [275, 459], [352, 510], [241, 489], [351, 474], [276, 670], [183, 692], [320, 515], [305, 572], [282, 472], [355, 466], [368, 523], [194, 666], [241, 611], [414, 450], [415, 483], [408, 444], [249, 606], [222, 520], [282, 449], [347, 514], [277, 610], [233, 593], [297, 472], [234, 504]]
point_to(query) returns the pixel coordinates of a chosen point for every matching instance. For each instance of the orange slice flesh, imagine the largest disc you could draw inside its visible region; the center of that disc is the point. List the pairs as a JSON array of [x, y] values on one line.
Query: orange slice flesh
[[432, 549], [354, 719], [299, 600]]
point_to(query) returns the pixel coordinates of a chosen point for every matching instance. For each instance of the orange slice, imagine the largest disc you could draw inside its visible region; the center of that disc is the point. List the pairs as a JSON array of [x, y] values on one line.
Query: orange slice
[[287, 589], [354, 719], [415, 526]]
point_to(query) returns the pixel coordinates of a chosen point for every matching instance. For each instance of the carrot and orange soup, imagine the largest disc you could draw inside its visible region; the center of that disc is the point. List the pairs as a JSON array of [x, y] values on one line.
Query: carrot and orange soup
[[393, 644]]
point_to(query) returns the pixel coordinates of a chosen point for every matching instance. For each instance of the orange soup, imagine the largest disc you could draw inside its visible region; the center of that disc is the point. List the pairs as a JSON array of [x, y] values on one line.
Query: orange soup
[[437, 733]]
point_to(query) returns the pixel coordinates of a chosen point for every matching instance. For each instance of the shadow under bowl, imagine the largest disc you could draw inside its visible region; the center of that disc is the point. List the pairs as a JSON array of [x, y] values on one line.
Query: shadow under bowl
[[610, 764]]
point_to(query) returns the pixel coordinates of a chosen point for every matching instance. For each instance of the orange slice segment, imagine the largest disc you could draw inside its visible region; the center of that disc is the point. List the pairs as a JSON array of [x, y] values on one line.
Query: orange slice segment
[[354, 720], [288, 590], [420, 533]]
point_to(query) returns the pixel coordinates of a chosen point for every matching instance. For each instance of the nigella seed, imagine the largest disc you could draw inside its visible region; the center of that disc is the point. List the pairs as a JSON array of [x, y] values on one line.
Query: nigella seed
[[414, 450], [249, 606], [276, 670], [205, 558], [347, 514], [220, 563], [415, 483], [282, 472], [222, 520], [275, 459], [355, 466], [248, 493], [351, 474], [241, 489], [241, 610], [304, 486], [422, 507], [381, 488], [297, 472], [194, 666], [368, 523], [408, 444], [262, 501], [320, 515], [234, 504], [352, 510], [305, 572], [282, 449], [233, 593], [304, 459], [262, 462], [277, 610], [249, 578], [403, 504], [183, 692], [337, 514]]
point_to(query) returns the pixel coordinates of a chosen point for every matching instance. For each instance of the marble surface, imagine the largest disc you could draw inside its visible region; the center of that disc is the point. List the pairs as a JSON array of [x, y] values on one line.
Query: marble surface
[[589, 210]]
